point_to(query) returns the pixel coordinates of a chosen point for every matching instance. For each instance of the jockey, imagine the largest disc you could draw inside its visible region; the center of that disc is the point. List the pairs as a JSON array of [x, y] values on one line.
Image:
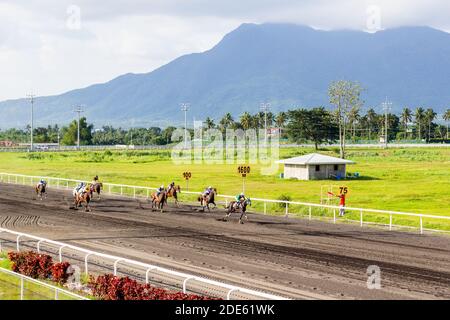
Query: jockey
[[171, 185], [80, 189], [95, 180], [207, 191], [159, 190], [239, 199], [42, 182]]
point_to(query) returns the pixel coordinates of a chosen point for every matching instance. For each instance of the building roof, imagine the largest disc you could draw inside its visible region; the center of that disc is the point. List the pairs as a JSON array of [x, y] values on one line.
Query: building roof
[[315, 158]]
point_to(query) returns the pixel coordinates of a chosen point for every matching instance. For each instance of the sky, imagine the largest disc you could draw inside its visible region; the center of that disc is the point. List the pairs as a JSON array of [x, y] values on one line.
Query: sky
[[52, 46]]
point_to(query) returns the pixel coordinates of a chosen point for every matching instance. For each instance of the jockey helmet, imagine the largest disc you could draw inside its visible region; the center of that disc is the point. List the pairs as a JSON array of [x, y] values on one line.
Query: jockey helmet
[[162, 187], [209, 187]]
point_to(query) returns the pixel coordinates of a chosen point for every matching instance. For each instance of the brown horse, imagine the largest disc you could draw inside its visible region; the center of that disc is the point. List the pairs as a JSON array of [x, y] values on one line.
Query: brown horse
[[159, 200], [233, 206], [206, 200], [41, 191], [95, 187], [83, 199], [173, 192]]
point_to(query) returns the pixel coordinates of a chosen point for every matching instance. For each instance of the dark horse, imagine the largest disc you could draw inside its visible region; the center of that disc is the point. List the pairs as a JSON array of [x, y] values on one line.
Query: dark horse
[[173, 192], [234, 205], [159, 200], [205, 201], [41, 191], [95, 187]]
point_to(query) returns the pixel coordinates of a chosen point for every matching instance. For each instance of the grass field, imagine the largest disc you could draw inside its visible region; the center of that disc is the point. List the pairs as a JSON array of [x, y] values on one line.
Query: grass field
[[410, 179]]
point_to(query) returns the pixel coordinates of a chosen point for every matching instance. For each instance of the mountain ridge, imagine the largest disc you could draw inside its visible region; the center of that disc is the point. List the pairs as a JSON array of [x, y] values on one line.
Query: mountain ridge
[[285, 64]]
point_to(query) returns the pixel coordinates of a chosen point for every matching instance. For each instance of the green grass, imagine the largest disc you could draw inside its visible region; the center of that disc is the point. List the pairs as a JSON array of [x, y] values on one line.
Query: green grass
[[409, 179]]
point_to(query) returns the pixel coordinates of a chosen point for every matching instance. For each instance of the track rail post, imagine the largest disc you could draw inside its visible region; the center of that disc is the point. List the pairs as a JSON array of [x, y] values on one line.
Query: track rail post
[[115, 266], [86, 262], [185, 283], [230, 292], [17, 242], [60, 253]]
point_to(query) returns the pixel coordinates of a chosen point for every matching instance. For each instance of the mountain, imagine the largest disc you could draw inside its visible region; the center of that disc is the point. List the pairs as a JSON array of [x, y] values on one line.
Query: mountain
[[286, 65]]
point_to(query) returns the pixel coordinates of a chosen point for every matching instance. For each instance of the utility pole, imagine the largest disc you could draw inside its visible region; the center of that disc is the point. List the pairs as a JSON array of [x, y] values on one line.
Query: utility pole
[[185, 108], [31, 98], [265, 107], [386, 107], [78, 110]]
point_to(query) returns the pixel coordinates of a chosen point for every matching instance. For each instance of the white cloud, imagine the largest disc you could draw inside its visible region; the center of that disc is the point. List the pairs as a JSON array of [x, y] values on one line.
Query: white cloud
[[38, 52]]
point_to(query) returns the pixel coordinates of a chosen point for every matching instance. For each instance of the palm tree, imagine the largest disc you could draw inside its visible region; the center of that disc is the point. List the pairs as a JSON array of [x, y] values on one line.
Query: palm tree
[[209, 123], [446, 117], [246, 120], [419, 115], [429, 116], [371, 118], [406, 118], [226, 121], [353, 117]]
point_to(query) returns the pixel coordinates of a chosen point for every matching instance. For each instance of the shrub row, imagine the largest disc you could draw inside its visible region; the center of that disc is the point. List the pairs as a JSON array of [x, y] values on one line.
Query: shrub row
[[110, 287], [39, 266]]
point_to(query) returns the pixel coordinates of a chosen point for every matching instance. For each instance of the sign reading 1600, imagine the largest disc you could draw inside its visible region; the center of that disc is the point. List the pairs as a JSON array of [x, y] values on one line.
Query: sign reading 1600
[[244, 170]]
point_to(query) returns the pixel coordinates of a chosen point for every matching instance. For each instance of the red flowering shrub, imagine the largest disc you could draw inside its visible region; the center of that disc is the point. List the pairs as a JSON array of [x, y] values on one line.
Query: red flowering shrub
[[60, 272], [110, 287], [31, 264]]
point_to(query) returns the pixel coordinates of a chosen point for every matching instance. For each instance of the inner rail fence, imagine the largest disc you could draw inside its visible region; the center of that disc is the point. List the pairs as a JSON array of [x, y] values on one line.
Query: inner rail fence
[[30, 289], [289, 208], [184, 279]]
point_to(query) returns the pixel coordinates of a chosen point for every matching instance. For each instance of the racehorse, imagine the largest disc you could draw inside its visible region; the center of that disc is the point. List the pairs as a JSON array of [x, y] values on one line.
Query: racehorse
[[205, 201], [83, 199], [95, 187], [158, 201], [40, 191], [232, 206], [172, 192]]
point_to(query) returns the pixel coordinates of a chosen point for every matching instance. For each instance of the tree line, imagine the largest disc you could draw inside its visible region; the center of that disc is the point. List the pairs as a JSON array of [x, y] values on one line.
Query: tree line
[[344, 122]]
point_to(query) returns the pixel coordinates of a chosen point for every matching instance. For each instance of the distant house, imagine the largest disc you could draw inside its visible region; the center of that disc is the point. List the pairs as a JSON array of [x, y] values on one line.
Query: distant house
[[315, 166]]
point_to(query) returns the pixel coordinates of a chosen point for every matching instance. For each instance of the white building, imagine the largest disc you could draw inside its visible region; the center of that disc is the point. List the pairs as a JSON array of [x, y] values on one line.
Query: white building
[[315, 166]]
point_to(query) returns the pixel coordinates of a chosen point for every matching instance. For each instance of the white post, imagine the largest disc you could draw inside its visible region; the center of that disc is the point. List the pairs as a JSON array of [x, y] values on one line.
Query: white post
[[17, 240], [229, 293], [86, 263], [56, 294], [361, 217], [21, 288], [390, 221], [287, 210], [185, 282], [115, 266], [146, 274], [334, 215], [60, 253], [310, 212], [265, 207]]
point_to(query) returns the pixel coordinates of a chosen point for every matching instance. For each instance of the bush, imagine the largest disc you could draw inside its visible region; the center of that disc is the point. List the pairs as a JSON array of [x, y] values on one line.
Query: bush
[[31, 264], [284, 197], [110, 287], [60, 272]]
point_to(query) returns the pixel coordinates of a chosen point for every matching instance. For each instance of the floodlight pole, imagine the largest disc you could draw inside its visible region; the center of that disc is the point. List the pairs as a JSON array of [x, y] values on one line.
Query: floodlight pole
[[31, 97], [185, 108], [265, 107], [386, 107], [78, 110]]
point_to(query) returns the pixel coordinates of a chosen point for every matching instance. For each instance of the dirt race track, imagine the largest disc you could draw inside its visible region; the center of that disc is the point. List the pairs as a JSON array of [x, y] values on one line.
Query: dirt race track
[[290, 257]]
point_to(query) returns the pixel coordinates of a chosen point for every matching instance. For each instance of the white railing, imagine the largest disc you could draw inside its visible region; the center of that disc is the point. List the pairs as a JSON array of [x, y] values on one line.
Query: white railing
[[24, 279], [139, 191], [230, 289]]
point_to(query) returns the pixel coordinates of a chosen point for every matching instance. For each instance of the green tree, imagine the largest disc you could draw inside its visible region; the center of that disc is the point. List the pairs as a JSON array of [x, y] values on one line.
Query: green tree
[[317, 125], [429, 117], [419, 116], [446, 118], [226, 122], [209, 123], [406, 117], [246, 120], [70, 136], [345, 96]]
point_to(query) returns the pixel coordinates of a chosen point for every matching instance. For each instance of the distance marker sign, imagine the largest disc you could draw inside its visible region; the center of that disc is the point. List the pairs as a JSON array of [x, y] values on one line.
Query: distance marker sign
[[187, 175], [244, 170]]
